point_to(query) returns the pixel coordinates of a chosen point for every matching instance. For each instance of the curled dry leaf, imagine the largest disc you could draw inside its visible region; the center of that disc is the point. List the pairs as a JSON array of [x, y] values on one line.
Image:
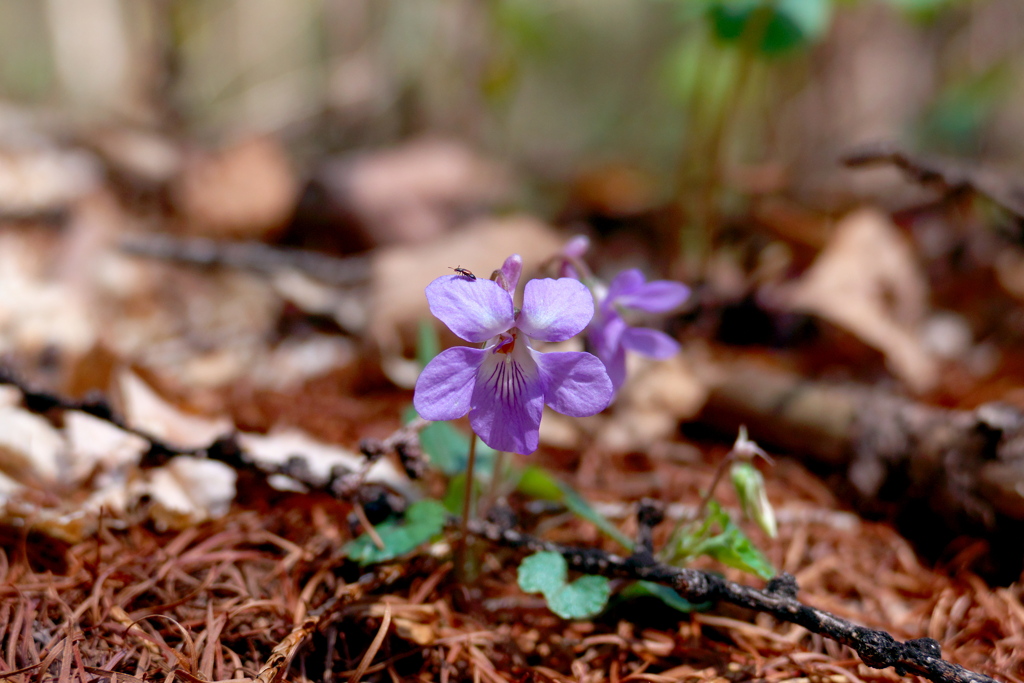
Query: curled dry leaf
[[32, 450], [646, 412], [97, 444], [245, 190], [187, 490], [276, 448], [146, 411], [650, 406], [413, 193], [37, 311], [867, 282]]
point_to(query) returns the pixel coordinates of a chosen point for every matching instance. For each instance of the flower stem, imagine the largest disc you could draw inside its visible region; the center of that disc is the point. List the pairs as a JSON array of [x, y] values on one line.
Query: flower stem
[[698, 514], [496, 476], [467, 501], [462, 555]]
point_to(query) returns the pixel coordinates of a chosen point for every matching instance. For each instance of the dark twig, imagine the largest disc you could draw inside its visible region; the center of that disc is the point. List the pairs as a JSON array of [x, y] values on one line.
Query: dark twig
[[650, 513], [253, 256], [42, 402], [877, 649], [341, 483]]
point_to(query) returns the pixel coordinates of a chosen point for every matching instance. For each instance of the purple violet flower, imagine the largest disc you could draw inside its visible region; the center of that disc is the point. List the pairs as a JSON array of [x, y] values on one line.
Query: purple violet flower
[[611, 336], [505, 385]]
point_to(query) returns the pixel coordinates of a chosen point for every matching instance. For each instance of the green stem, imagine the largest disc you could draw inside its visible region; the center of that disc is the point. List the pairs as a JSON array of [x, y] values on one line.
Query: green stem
[[698, 514], [462, 567], [496, 476], [719, 115], [467, 501]]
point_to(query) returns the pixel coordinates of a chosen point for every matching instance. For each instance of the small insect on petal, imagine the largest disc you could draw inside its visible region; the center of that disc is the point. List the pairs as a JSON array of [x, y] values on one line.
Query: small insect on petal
[[464, 272]]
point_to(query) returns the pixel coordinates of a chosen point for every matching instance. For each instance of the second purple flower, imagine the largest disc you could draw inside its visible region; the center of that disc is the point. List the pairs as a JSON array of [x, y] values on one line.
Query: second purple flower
[[611, 336]]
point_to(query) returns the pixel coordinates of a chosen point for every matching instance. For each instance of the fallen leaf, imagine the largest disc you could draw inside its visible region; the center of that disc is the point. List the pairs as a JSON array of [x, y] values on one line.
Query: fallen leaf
[[867, 282], [41, 178], [187, 491], [245, 190], [31, 449], [277, 447], [148, 412], [94, 443], [413, 193], [657, 397]]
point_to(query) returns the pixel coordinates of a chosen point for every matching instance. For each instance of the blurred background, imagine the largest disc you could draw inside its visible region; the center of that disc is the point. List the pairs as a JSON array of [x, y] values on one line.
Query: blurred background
[[698, 139], [635, 102]]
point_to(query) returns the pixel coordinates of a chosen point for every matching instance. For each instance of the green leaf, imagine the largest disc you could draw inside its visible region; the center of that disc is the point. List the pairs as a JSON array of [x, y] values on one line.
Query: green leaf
[[448, 448], [583, 598], [538, 483], [543, 572], [732, 547], [427, 343], [777, 25], [423, 520], [920, 9], [748, 482], [546, 572], [535, 482], [649, 589]]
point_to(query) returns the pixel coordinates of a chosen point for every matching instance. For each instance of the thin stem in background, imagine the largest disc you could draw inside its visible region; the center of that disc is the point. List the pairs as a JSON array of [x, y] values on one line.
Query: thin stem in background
[[467, 507], [496, 476]]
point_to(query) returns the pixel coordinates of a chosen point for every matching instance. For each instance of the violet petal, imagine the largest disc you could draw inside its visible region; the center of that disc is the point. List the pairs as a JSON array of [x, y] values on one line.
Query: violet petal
[[510, 271], [577, 383], [445, 387], [615, 364], [625, 283], [555, 310], [475, 310], [657, 296], [577, 246], [606, 332], [651, 343], [508, 400]]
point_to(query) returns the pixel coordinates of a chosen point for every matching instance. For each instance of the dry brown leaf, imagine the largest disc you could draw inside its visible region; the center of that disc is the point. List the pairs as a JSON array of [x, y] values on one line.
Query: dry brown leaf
[[246, 190], [413, 193], [277, 447], [95, 443], [148, 412], [645, 415], [187, 491], [31, 449], [867, 282], [37, 310]]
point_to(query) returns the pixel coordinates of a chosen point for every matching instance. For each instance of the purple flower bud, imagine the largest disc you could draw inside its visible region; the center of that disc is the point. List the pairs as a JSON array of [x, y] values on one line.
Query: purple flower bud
[[508, 274]]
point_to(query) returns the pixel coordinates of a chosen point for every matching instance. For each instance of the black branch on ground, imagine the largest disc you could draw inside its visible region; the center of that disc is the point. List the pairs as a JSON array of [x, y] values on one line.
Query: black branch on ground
[[877, 649]]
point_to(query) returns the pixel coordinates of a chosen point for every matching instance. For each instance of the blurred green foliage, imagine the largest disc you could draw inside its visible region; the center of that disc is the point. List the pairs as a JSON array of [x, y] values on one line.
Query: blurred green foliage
[[683, 89], [786, 24]]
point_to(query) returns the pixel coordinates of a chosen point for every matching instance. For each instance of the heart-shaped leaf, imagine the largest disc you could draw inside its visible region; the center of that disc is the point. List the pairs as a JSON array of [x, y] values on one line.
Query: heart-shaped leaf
[[546, 572], [423, 520]]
